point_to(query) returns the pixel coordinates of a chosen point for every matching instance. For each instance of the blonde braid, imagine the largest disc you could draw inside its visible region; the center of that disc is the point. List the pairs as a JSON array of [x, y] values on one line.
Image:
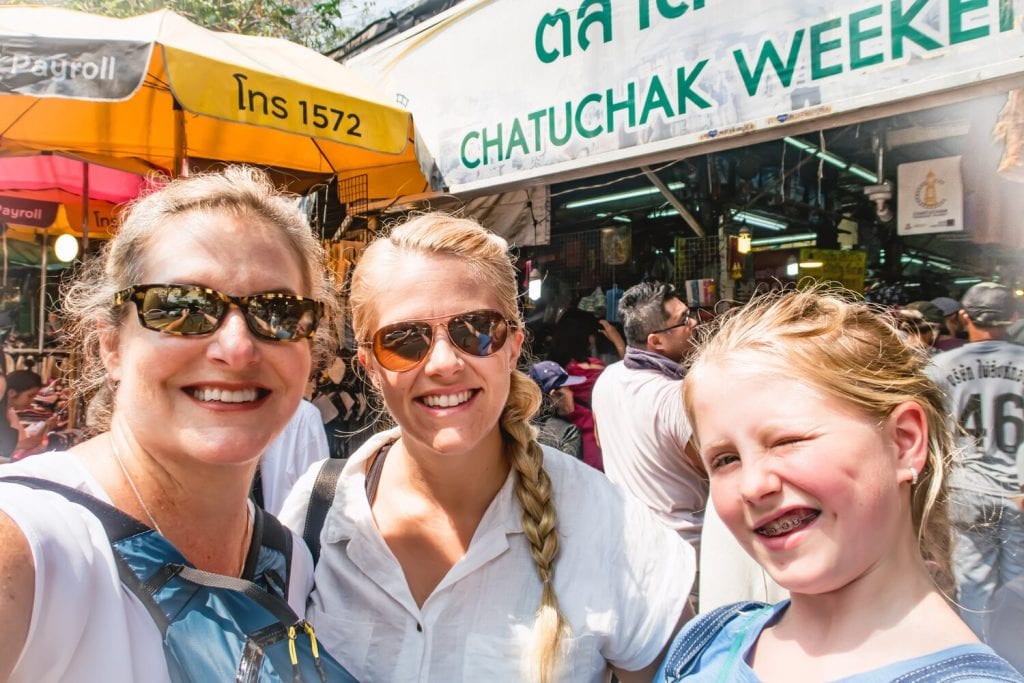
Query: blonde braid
[[533, 489]]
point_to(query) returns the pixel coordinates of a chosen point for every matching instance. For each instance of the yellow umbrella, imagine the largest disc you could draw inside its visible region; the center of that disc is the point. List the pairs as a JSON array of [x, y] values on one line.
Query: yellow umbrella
[[160, 89]]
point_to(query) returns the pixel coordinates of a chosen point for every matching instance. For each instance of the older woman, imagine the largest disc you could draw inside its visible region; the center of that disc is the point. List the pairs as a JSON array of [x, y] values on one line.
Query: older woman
[[457, 548], [185, 415]]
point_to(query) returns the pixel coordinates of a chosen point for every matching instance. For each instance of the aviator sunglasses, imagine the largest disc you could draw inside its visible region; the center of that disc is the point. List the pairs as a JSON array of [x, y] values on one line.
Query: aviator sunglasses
[[189, 310], [402, 346]]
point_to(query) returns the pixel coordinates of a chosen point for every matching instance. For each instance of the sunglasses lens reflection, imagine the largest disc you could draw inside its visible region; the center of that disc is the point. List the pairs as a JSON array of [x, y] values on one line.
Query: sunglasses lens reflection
[[281, 317], [479, 333], [402, 346], [181, 310], [184, 310]]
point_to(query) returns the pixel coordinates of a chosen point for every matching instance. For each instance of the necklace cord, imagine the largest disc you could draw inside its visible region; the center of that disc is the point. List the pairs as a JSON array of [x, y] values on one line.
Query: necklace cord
[[142, 503], [135, 489]]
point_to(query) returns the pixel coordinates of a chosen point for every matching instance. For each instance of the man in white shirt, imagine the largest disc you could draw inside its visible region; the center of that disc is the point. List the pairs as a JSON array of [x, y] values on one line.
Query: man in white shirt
[[638, 408], [303, 442]]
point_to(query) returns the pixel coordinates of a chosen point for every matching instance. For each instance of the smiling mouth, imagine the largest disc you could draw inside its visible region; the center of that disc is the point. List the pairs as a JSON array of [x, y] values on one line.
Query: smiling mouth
[[447, 400], [208, 395], [788, 523]]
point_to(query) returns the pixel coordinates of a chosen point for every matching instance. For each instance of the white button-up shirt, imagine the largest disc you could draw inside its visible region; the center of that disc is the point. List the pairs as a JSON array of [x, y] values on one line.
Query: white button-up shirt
[[621, 578]]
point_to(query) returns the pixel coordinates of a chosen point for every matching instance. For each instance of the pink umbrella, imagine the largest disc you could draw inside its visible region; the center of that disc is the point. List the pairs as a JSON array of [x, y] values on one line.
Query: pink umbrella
[[32, 184]]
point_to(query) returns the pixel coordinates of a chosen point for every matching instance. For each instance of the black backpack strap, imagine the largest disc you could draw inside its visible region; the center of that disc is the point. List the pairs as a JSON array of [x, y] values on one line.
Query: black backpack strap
[[269, 533], [697, 634], [320, 503], [117, 524]]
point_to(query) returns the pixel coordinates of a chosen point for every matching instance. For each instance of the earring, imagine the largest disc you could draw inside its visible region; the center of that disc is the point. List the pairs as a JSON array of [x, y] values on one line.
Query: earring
[[913, 477]]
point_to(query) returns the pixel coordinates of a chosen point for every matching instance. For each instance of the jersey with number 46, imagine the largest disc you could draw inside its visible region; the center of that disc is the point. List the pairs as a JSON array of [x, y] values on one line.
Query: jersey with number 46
[[985, 386]]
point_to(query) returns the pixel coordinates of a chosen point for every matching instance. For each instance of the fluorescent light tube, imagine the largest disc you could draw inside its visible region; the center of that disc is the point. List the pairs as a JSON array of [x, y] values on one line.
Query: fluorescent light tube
[[833, 159], [863, 173], [617, 196], [931, 263], [783, 239], [758, 220]]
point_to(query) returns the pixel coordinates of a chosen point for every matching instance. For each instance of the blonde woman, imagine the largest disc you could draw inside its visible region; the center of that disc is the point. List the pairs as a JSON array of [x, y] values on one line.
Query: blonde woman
[[457, 548], [827, 450]]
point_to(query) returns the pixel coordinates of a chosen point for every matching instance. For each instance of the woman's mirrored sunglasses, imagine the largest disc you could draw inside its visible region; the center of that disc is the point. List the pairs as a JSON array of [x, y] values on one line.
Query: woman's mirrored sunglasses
[[192, 310], [402, 346]]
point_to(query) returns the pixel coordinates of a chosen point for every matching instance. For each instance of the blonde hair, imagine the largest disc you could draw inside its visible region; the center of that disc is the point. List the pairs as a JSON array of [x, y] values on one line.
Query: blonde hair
[[239, 191], [852, 351], [487, 256]]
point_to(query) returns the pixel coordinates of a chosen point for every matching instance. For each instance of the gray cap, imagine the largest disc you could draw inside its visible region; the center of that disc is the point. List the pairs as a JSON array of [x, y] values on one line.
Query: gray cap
[[948, 305], [989, 305]]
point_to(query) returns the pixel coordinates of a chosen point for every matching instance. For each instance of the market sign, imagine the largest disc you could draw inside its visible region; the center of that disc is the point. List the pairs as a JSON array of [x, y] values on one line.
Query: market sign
[[846, 267], [84, 69], [930, 197], [29, 212], [511, 91]]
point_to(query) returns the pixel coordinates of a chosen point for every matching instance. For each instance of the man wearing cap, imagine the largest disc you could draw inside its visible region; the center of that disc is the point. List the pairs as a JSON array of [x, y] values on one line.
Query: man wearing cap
[[921, 322], [984, 382], [638, 408], [554, 424], [948, 338]]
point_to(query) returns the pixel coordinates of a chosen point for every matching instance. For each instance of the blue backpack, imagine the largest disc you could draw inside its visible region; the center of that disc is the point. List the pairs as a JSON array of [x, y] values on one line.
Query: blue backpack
[[214, 627]]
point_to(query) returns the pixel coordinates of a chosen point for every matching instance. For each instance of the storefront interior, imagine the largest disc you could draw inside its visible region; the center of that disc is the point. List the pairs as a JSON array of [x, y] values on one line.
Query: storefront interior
[[830, 189]]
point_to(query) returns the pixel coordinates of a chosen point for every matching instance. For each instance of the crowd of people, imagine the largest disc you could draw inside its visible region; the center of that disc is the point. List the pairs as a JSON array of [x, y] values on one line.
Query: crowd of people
[[851, 499]]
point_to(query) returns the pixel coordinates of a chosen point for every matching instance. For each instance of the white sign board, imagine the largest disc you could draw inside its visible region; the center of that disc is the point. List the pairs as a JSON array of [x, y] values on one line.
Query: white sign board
[[930, 197], [504, 91]]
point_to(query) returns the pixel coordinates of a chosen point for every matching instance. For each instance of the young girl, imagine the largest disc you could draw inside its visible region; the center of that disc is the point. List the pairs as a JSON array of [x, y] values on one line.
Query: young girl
[[827, 449]]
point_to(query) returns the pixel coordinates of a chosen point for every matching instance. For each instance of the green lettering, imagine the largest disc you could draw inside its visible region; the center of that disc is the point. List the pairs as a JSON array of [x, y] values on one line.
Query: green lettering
[[819, 48], [491, 142], [656, 99], [552, 19], [957, 9], [536, 117], [902, 30], [665, 9], [858, 36], [1005, 15], [560, 140], [628, 105], [685, 87], [583, 130], [466, 161], [769, 54], [516, 139]]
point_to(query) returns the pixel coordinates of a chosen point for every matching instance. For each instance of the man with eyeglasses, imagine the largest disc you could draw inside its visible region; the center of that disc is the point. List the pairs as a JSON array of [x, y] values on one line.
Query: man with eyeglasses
[[638, 409]]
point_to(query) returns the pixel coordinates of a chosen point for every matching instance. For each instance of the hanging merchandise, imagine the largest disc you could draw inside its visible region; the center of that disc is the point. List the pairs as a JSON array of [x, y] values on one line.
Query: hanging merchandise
[[593, 303], [616, 245], [612, 298]]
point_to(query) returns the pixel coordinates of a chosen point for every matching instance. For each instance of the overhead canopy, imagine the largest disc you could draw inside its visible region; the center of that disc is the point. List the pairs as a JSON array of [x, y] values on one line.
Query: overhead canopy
[[158, 88], [616, 85]]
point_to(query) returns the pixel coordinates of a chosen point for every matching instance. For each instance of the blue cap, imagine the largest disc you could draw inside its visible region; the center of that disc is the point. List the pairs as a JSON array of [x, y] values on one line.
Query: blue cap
[[549, 375]]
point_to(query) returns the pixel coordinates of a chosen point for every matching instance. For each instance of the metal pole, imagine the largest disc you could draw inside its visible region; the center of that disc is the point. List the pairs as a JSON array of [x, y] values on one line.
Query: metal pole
[[85, 208], [42, 293]]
